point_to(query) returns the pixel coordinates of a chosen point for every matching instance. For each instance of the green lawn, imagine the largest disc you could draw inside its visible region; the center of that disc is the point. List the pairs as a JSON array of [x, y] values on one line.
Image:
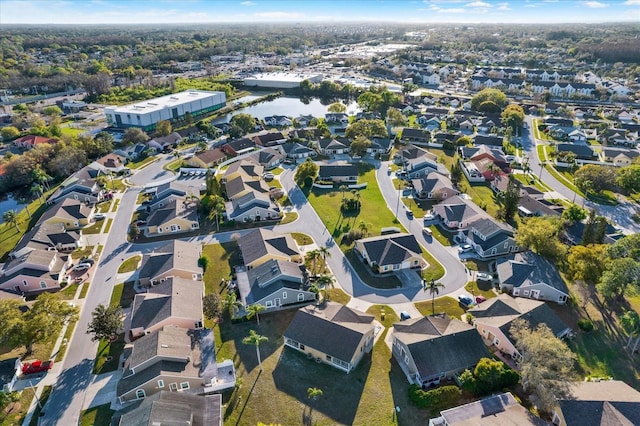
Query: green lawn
[[86, 252], [130, 265], [97, 416], [107, 227], [339, 296], [69, 291], [67, 335], [139, 164], [93, 229], [104, 206], [483, 196], [302, 239], [122, 295], [289, 217], [71, 131], [108, 355], [445, 304], [115, 205], [222, 259], [390, 316], [482, 288], [85, 289]]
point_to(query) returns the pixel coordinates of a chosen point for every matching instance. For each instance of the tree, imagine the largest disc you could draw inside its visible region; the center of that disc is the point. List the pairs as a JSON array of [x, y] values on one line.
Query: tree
[[254, 311], [370, 101], [511, 199], [627, 246], [324, 252], [255, 339], [106, 322], [620, 273], [11, 218], [463, 141], [630, 321], [488, 100], [134, 232], [574, 213], [101, 144], [547, 365], [360, 145], [325, 281], [627, 177], [231, 303], [246, 122], [312, 257], [594, 229], [214, 206], [9, 132], [396, 118], [134, 135], [491, 375], [338, 107], [363, 227], [595, 177], [456, 170], [366, 128], [513, 116], [313, 394], [586, 264], [434, 290], [540, 234], [306, 173], [212, 306], [163, 128], [52, 111]]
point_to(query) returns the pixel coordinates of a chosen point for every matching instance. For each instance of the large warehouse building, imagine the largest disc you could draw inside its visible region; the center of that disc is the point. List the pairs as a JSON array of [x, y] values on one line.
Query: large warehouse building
[[146, 114], [281, 80]]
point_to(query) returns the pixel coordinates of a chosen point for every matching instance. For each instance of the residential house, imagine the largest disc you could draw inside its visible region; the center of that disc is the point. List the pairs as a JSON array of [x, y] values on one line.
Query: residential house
[[495, 410], [296, 151], [31, 141], [410, 152], [434, 186], [176, 258], [434, 348], [239, 187], [46, 236], [112, 162], [489, 237], [466, 126], [165, 193], [528, 275], [71, 213], [176, 302], [417, 136], [577, 136], [245, 168], [176, 359], [573, 233], [380, 146], [387, 253], [252, 206], [270, 139], [582, 152], [278, 121], [175, 408], [304, 120], [331, 146], [333, 334], [429, 121], [82, 185], [338, 173], [339, 118], [488, 140], [415, 168], [619, 157], [268, 158], [162, 143], [599, 403], [493, 319], [239, 146], [276, 285], [529, 206], [262, 245], [457, 212], [558, 121], [178, 215], [207, 158], [34, 272]]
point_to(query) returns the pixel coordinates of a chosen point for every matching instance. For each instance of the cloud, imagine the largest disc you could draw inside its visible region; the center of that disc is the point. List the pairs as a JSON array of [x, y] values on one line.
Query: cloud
[[478, 4], [248, 3], [279, 15], [595, 4], [632, 3], [503, 6]]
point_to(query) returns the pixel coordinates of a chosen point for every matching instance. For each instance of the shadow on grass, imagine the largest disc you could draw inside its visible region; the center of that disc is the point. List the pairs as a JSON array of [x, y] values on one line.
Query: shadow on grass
[[342, 392], [408, 414]]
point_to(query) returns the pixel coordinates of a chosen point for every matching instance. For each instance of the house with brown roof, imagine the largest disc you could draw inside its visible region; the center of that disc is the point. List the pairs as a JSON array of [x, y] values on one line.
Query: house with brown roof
[[174, 408], [262, 245], [174, 359], [387, 253], [239, 146], [333, 334], [270, 139], [176, 302], [176, 258], [112, 162], [72, 214], [31, 141], [207, 159], [245, 168], [493, 319], [176, 216], [433, 348], [433, 186]]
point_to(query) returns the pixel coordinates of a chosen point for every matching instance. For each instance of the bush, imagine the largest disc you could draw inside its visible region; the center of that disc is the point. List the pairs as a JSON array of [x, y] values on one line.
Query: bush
[[203, 262], [435, 399], [489, 375], [585, 325]]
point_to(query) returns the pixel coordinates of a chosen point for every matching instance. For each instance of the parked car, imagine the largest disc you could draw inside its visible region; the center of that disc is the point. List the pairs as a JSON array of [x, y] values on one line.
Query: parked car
[[80, 267], [483, 276], [427, 231], [429, 216], [141, 222], [88, 260], [36, 366], [388, 170], [464, 248], [465, 300], [404, 315], [268, 176], [99, 216], [480, 299]]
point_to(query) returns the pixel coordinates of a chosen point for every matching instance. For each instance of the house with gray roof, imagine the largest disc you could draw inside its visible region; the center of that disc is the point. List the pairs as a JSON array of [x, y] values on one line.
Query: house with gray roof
[[489, 237], [176, 258], [582, 152], [433, 348], [410, 152], [528, 275], [332, 146], [176, 302], [47, 236], [174, 408], [82, 186], [433, 186], [72, 214], [245, 168], [33, 272], [601, 403], [457, 212], [380, 146], [178, 215], [387, 253], [333, 334], [537, 206], [269, 158], [338, 173], [261, 245], [493, 319], [422, 166], [619, 157], [239, 146], [174, 359], [296, 151], [276, 285], [417, 136]]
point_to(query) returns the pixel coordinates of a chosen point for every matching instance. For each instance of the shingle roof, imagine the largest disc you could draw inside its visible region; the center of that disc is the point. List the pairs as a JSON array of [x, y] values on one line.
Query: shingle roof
[[257, 283], [211, 155], [341, 170], [261, 242], [175, 408], [177, 254], [391, 249], [529, 268], [496, 410], [170, 342], [432, 182], [601, 404], [456, 209], [312, 325]]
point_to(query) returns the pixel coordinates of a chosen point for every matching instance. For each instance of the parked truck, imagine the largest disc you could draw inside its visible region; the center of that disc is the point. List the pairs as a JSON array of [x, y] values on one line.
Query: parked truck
[[37, 366]]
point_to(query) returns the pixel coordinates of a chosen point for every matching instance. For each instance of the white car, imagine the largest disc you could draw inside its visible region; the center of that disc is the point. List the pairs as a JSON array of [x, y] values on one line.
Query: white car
[[81, 267], [429, 216], [99, 216], [483, 276], [464, 248]]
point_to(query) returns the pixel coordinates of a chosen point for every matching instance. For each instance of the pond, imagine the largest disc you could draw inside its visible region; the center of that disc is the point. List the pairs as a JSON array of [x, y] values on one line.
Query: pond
[[289, 106], [7, 202]]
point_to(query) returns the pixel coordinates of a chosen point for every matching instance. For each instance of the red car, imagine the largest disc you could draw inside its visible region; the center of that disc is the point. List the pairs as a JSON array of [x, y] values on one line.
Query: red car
[[36, 366]]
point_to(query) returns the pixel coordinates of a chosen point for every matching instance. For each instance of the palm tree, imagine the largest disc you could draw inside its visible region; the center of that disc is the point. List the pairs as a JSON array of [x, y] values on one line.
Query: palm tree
[[325, 281], [41, 177], [343, 188], [434, 289], [313, 394], [11, 217], [364, 227], [631, 323], [255, 339], [36, 191], [254, 311], [313, 257], [324, 252], [231, 303]]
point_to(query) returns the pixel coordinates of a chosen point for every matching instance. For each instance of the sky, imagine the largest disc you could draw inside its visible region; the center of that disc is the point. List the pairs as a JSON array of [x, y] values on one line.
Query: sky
[[407, 11]]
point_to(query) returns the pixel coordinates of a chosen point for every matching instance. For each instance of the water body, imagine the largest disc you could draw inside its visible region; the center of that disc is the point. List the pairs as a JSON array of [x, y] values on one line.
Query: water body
[[7, 202], [289, 106]]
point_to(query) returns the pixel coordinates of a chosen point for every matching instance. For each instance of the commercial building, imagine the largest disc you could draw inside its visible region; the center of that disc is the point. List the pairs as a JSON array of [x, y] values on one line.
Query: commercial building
[[146, 114], [281, 80]]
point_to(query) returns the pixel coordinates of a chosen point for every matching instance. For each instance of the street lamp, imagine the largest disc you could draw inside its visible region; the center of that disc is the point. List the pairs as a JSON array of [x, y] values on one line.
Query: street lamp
[[542, 164]]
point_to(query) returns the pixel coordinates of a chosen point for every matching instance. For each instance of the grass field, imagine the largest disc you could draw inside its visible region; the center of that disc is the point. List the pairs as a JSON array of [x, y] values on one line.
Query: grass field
[[445, 304], [139, 164], [130, 265], [222, 258], [302, 239], [108, 355], [97, 416], [93, 229], [289, 217], [107, 227], [71, 326]]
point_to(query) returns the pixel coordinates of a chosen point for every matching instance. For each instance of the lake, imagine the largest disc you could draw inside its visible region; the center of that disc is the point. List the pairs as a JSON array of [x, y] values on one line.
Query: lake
[[7, 202], [289, 106]]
